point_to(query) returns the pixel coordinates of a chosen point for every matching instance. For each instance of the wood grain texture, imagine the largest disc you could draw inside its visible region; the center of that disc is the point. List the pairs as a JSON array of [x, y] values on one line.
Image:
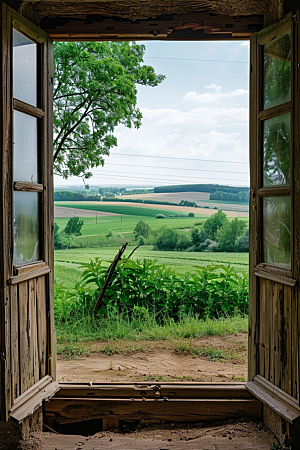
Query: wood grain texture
[[149, 390], [79, 409], [14, 314]]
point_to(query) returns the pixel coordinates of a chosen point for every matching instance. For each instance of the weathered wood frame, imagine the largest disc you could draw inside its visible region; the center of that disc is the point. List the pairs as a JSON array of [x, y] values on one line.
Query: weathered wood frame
[[282, 282], [35, 278]]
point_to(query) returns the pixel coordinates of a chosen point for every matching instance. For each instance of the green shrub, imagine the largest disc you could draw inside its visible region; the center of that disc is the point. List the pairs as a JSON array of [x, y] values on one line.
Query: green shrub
[[160, 216], [142, 286]]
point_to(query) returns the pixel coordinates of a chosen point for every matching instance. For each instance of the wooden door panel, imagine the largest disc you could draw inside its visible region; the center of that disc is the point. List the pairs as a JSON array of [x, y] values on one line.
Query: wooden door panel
[[27, 370], [278, 342]]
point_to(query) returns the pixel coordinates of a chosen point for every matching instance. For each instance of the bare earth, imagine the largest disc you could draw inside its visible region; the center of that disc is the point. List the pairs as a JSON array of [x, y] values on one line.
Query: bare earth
[[129, 361], [245, 435], [61, 212], [179, 209]]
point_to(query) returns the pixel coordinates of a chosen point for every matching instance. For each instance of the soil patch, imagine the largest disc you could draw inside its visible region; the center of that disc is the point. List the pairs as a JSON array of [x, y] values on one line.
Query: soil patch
[[62, 212], [211, 358], [240, 435]]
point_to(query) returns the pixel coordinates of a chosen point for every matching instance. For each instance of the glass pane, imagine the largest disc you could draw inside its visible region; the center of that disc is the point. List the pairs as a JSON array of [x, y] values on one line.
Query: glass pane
[[277, 71], [277, 150], [26, 227], [277, 231], [25, 165], [24, 68]]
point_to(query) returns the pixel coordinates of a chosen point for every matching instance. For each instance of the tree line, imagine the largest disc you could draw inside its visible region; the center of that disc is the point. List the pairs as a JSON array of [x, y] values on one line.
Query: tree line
[[200, 188]]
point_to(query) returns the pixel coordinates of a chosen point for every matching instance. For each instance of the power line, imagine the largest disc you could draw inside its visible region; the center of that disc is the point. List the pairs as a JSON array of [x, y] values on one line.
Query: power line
[[130, 177], [164, 175], [175, 168], [196, 59], [174, 157]]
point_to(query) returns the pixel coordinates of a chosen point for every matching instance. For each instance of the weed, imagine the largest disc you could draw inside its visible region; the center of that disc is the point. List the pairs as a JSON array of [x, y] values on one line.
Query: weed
[[212, 354], [72, 351], [234, 378]]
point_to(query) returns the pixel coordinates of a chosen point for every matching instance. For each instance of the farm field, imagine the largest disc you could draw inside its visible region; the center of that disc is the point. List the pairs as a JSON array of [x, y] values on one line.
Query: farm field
[[67, 262], [145, 209], [201, 198]]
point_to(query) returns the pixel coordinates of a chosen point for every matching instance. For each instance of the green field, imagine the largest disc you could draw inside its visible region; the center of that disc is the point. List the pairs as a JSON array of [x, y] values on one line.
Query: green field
[[94, 238], [67, 262], [121, 208]]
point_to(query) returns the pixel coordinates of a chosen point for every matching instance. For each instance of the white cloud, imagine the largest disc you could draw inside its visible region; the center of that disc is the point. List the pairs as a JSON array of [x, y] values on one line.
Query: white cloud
[[245, 44], [207, 97]]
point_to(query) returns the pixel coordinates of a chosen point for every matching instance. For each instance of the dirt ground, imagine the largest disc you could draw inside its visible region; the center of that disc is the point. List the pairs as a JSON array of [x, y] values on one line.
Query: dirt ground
[[61, 212], [237, 435], [212, 358]]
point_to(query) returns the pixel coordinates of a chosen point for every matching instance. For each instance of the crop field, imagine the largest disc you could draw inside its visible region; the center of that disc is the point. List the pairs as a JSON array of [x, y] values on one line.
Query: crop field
[[201, 198], [67, 262], [142, 209]]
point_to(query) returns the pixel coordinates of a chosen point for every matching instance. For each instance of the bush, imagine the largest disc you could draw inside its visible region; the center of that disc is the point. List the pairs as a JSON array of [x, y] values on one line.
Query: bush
[[167, 240], [160, 216], [141, 287], [191, 214]]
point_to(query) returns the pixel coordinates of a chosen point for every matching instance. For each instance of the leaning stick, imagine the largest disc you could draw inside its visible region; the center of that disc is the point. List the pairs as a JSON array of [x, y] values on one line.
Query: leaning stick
[[109, 275]]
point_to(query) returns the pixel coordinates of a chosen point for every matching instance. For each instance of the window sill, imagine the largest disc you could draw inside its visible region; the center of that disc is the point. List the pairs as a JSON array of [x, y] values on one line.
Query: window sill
[[29, 271], [282, 403], [273, 273]]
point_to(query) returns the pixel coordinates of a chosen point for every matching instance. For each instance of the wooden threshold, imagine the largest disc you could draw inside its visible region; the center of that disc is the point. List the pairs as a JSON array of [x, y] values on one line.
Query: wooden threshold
[[192, 402]]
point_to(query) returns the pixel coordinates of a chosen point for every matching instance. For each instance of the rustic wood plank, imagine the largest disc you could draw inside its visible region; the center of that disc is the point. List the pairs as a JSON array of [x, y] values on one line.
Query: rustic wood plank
[[270, 276], [288, 411], [33, 339], [287, 343], [19, 270], [34, 402], [41, 319], [29, 275], [49, 206], [5, 203], [253, 352], [296, 211], [7, 353], [80, 409], [267, 323], [25, 374], [28, 109], [14, 314], [271, 325], [273, 112], [26, 186], [278, 309], [262, 327], [148, 390]]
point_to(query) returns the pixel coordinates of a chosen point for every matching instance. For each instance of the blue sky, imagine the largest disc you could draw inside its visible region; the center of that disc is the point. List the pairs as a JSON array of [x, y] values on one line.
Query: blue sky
[[193, 122]]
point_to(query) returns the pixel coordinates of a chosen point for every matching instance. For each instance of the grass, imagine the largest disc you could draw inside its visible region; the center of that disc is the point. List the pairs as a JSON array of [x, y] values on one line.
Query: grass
[[118, 327], [67, 262], [121, 208]]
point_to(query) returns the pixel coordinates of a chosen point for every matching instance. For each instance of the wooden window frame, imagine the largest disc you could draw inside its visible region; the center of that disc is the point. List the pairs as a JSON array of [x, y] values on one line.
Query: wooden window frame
[[262, 269], [33, 269]]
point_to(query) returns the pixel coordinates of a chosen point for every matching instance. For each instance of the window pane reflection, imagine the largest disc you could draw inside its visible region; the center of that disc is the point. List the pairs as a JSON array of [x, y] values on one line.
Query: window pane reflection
[[25, 148], [24, 68], [277, 150], [277, 71], [277, 231], [26, 227]]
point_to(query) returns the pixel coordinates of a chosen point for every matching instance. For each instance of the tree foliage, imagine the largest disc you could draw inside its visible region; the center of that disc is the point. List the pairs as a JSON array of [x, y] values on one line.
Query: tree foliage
[[94, 91], [142, 229], [73, 226]]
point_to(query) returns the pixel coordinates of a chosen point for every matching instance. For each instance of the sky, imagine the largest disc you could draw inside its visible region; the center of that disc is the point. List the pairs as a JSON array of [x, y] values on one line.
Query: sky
[[195, 123]]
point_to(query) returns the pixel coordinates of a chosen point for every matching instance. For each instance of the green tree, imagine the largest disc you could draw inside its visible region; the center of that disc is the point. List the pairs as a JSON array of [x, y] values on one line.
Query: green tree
[[214, 223], [94, 91], [142, 229], [73, 226], [242, 244], [167, 240], [228, 235]]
